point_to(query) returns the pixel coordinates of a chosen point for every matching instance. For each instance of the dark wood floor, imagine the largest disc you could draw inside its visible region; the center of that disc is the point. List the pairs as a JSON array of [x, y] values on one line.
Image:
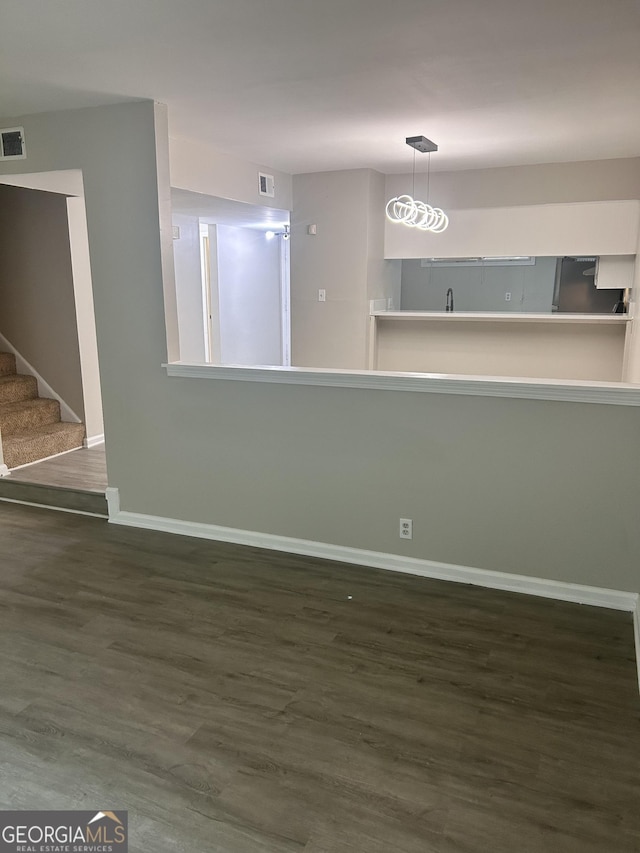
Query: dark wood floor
[[242, 701]]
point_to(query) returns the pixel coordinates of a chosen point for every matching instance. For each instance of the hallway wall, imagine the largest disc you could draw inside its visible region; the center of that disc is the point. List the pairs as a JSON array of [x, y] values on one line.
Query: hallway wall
[[37, 302]]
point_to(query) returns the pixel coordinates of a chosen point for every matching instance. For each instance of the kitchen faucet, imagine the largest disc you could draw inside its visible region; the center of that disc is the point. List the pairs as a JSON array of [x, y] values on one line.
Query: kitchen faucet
[[449, 300]]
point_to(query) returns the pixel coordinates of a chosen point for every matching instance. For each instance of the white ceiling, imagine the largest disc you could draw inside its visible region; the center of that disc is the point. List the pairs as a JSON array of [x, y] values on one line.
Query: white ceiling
[[333, 84]]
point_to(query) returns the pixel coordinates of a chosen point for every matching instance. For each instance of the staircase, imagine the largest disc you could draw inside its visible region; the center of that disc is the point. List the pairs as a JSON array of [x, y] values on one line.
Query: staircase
[[30, 426]]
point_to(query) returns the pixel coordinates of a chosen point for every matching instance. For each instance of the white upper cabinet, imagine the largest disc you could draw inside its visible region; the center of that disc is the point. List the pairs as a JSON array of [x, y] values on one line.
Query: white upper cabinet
[[615, 272]]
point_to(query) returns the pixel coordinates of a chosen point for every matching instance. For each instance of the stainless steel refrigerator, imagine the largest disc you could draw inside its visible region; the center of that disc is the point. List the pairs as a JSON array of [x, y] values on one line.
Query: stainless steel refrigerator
[[575, 289]]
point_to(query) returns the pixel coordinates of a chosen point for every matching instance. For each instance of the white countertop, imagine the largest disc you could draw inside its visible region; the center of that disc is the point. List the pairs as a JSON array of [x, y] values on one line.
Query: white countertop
[[502, 317]]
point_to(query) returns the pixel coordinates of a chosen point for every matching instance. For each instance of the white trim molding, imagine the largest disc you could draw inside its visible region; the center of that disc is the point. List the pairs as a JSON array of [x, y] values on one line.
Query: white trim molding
[[560, 590], [93, 440], [571, 391], [113, 502], [3, 470]]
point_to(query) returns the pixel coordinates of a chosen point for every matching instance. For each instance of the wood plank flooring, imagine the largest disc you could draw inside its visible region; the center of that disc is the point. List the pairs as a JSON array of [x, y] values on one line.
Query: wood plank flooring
[[244, 701], [84, 469], [74, 481]]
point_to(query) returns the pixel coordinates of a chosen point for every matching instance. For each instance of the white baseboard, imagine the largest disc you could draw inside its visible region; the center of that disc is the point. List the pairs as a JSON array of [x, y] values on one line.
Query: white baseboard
[[44, 389], [611, 598], [93, 440], [113, 502], [3, 470]]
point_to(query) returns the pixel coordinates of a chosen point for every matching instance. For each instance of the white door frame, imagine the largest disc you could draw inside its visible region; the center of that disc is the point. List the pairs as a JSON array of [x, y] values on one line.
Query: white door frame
[[285, 301]]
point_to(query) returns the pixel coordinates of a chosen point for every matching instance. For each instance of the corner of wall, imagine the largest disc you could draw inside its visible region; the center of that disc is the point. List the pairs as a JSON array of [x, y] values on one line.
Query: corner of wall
[[161, 120]]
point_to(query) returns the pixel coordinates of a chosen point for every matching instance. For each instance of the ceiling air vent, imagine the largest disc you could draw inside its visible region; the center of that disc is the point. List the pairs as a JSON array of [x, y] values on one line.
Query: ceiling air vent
[[266, 185], [12, 145]]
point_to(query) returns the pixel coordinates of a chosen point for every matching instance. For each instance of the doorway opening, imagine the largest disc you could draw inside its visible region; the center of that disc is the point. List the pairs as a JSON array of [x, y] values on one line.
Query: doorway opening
[[232, 281], [52, 401]]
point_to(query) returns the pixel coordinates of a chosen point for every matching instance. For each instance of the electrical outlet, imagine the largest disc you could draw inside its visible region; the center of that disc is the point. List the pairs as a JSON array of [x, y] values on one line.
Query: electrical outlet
[[507, 296], [322, 296], [406, 528]]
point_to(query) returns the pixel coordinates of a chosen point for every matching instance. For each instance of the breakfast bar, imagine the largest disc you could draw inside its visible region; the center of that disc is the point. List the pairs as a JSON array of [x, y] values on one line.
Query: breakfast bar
[[545, 346]]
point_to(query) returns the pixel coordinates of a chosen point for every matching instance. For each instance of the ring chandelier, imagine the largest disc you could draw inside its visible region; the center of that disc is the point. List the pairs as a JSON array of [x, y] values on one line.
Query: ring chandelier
[[407, 210], [417, 214]]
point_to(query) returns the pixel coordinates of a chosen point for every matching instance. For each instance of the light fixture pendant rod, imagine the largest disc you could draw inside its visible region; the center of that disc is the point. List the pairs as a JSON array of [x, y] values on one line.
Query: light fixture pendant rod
[[413, 190]]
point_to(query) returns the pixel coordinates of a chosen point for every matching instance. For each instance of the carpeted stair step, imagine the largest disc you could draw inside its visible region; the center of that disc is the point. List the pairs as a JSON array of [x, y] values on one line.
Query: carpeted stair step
[[15, 387], [7, 363], [39, 443], [28, 414]]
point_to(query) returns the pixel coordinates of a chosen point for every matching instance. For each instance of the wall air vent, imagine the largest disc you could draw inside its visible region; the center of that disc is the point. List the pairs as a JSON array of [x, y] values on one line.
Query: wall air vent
[[266, 185], [12, 146]]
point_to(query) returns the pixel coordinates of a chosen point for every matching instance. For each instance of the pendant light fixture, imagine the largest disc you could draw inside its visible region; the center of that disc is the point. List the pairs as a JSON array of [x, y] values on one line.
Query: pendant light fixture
[[407, 210]]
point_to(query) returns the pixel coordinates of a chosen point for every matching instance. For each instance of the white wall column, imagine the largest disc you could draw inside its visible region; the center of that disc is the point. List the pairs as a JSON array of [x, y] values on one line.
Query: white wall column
[[85, 318], [631, 365]]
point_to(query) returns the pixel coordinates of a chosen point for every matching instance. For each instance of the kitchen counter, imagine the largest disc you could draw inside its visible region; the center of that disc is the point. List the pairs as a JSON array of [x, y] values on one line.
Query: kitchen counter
[[588, 347]]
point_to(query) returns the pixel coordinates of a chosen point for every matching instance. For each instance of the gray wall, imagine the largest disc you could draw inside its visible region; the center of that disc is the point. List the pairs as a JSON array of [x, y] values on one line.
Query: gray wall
[[383, 276], [539, 488], [479, 288], [37, 303], [345, 258], [121, 196], [332, 333]]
